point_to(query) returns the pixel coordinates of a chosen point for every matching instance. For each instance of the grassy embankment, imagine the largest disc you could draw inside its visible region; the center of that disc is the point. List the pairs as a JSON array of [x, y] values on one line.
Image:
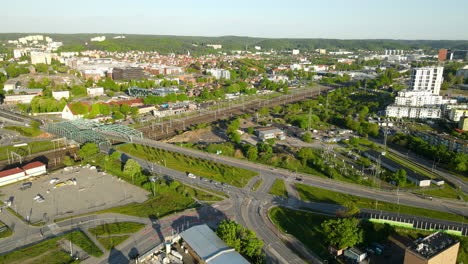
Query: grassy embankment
[[203, 168], [313, 194]]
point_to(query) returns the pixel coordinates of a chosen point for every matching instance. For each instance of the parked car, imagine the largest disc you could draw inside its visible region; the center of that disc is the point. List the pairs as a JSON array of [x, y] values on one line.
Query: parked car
[[25, 186]]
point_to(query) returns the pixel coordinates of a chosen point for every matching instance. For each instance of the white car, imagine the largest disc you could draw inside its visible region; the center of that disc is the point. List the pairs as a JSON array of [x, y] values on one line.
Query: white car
[[54, 180], [38, 198], [191, 175]]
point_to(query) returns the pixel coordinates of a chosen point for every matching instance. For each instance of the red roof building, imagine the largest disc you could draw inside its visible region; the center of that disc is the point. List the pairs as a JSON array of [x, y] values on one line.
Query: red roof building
[[11, 172], [33, 165]]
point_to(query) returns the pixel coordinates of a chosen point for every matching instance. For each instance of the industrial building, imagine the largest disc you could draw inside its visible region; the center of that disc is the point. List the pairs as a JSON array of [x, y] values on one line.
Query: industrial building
[[17, 174], [129, 73], [265, 133], [206, 247], [438, 248]]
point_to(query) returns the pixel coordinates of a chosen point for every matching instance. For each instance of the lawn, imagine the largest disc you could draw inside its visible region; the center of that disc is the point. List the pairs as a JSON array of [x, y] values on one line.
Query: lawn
[[313, 194], [111, 242], [116, 229], [302, 225], [306, 228], [201, 195], [200, 167], [278, 188], [35, 146], [165, 203], [256, 185], [446, 191], [6, 233], [49, 251], [25, 131]]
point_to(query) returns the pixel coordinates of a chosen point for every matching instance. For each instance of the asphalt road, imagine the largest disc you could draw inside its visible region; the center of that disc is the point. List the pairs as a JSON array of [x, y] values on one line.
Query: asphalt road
[[268, 174]]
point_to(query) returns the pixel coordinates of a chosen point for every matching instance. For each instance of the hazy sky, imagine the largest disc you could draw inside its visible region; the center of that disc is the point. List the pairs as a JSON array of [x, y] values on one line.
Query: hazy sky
[[345, 19]]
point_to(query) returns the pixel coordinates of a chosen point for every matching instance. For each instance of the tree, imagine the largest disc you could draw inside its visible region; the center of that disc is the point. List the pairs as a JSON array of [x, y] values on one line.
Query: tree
[[307, 137], [342, 233], [131, 169], [79, 108], [67, 161], [242, 240], [115, 155], [88, 150], [400, 177], [264, 111]]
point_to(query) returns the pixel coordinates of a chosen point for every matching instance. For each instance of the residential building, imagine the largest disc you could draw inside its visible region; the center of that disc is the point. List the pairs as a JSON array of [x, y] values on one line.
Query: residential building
[[68, 114], [219, 73], [207, 248], [27, 91], [215, 46], [438, 248], [295, 52], [98, 39], [95, 91], [18, 99], [57, 95], [443, 54], [463, 72], [413, 112], [10, 85], [450, 142], [128, 73], [463, 124], [143, 92], [421, 99], [426, 79], [456, 114], [42, 57]]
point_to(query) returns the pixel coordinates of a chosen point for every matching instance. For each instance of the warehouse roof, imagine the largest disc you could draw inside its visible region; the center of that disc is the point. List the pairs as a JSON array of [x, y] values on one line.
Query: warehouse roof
[[209, 247], [33, 165], [10, 172]]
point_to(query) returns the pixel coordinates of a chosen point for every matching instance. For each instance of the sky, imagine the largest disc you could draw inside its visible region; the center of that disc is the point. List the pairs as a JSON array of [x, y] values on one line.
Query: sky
[[341, 19]]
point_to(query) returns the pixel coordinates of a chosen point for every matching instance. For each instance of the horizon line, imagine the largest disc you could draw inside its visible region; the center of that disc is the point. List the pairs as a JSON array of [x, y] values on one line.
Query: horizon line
[[239, 36]]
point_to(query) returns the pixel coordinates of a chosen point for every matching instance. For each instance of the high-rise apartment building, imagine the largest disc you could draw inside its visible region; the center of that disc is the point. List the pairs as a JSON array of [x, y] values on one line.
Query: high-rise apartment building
[[426, 79], [219, 73]]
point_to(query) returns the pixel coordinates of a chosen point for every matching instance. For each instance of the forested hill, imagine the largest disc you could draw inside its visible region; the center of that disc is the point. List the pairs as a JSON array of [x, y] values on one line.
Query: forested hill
[[197, 45]]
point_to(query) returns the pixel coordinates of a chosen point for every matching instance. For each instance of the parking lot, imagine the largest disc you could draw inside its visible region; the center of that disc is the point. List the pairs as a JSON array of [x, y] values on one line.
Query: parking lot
[[69, 192]]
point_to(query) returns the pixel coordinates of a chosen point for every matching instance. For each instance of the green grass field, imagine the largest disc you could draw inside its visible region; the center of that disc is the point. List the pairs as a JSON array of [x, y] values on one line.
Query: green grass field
[[36, 146], [446, 191], [313, 194], [111, 242], [25, 131], [164, 204], [116, 229], [201, 195], [200, 167], [256, 185], [49, 251], [302, 226], [278, 188], [306, 228]]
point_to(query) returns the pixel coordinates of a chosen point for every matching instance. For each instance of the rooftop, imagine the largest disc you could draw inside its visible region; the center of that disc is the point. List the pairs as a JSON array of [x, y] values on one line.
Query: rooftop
[[33, 165], [9, 172], [210, 247], [432, 245]]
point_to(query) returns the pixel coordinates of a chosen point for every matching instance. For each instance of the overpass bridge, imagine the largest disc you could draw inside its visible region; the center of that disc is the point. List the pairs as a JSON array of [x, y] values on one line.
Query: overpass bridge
[[85, 131]]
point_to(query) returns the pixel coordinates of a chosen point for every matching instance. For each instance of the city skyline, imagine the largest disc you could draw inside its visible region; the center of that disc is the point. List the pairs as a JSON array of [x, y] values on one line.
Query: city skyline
[[339, 19]]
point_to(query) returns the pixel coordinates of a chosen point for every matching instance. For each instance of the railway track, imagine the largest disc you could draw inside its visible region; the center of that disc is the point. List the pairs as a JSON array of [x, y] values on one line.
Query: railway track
[[161, 130], [53, 159]]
